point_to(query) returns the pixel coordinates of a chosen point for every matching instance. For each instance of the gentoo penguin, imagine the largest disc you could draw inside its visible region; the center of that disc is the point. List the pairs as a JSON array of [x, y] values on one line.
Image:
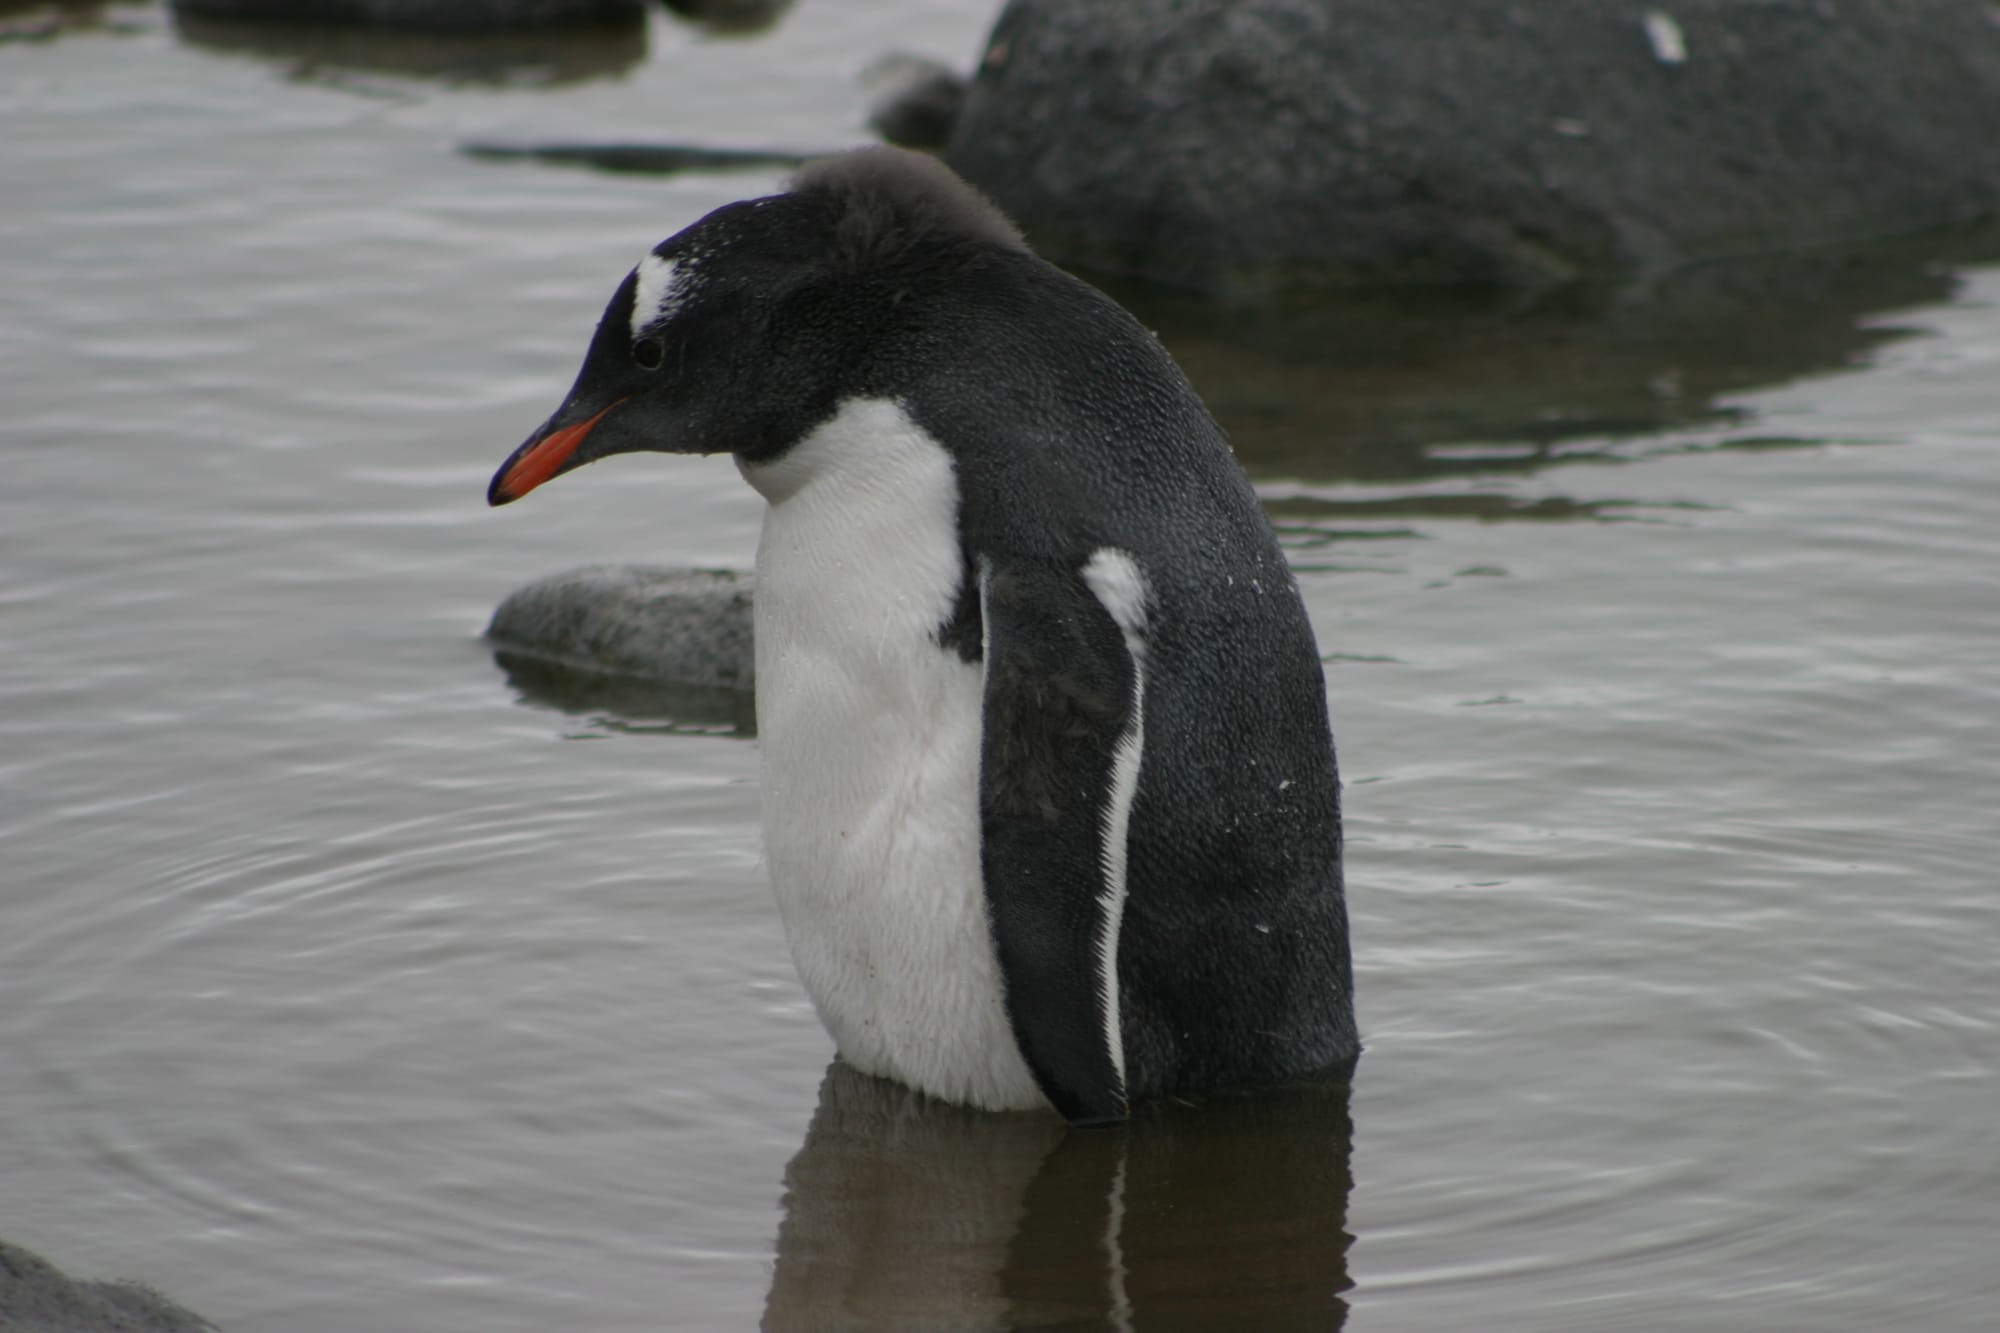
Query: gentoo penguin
[[1050, 804]]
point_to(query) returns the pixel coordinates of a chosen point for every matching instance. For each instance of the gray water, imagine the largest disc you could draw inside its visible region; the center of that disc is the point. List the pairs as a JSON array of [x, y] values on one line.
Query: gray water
[[345, 985]]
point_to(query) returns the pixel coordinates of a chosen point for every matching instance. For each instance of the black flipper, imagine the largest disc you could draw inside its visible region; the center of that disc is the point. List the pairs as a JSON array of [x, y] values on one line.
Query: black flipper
[[1061, 689]]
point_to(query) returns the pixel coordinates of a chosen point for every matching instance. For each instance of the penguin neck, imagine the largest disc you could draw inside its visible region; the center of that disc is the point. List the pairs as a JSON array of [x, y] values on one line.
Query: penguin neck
[[908, 334], [1010, 343], [859, 453]]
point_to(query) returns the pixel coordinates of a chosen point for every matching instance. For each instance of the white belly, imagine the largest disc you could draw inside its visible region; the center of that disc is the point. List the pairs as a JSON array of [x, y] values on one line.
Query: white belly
[[870, 734]]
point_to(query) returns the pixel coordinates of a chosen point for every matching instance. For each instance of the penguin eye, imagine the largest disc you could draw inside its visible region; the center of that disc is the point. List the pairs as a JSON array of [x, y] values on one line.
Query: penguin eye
[[648, 353]]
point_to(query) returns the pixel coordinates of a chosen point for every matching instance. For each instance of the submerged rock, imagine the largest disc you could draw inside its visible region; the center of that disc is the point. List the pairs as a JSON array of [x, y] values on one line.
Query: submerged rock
[[37, 1297], [513, 58], [469, 16], [687, 627], [655, 159], [1232, 145], [730, 16]]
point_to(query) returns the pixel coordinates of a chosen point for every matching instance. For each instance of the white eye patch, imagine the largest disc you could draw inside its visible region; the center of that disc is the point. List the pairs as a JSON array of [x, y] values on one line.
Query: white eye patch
[[655, 295]]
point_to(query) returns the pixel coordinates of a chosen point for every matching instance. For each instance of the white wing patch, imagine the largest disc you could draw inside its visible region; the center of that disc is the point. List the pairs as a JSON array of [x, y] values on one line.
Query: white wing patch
[[1115, 579], [1669, 46], [655, 295]]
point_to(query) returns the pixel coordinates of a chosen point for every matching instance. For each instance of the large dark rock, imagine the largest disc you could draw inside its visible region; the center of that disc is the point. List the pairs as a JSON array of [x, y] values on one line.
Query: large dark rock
[[1252, 144]]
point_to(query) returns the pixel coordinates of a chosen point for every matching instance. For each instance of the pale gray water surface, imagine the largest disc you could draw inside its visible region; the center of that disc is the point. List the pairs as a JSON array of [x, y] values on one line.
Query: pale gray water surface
[[341, 987]]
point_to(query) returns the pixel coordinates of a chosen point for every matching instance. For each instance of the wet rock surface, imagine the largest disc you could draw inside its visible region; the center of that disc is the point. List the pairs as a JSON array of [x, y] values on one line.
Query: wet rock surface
[[1250, 145], [688, 627], [37, 1297]]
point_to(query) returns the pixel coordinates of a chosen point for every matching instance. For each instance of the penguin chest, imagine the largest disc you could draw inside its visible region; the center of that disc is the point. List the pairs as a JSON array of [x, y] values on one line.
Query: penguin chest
[[870, 731]]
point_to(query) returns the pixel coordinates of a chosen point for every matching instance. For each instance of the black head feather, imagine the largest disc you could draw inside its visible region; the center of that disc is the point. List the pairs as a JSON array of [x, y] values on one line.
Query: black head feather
[[884, 201]]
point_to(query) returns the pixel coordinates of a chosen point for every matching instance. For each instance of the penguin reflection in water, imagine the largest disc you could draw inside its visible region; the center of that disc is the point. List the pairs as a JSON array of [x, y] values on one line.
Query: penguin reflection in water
[[1050, 804]]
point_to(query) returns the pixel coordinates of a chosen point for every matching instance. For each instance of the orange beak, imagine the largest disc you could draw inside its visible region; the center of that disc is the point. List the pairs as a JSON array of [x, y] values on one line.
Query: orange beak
[[539, 459]]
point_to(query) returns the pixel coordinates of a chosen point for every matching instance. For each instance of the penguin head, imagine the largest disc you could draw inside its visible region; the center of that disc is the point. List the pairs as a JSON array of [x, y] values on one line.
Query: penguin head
[[740, 333]]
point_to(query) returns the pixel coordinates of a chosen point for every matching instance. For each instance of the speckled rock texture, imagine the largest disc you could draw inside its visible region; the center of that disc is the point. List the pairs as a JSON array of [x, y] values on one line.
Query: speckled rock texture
[[677, 626], [1253, 145], [36, 1297]]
